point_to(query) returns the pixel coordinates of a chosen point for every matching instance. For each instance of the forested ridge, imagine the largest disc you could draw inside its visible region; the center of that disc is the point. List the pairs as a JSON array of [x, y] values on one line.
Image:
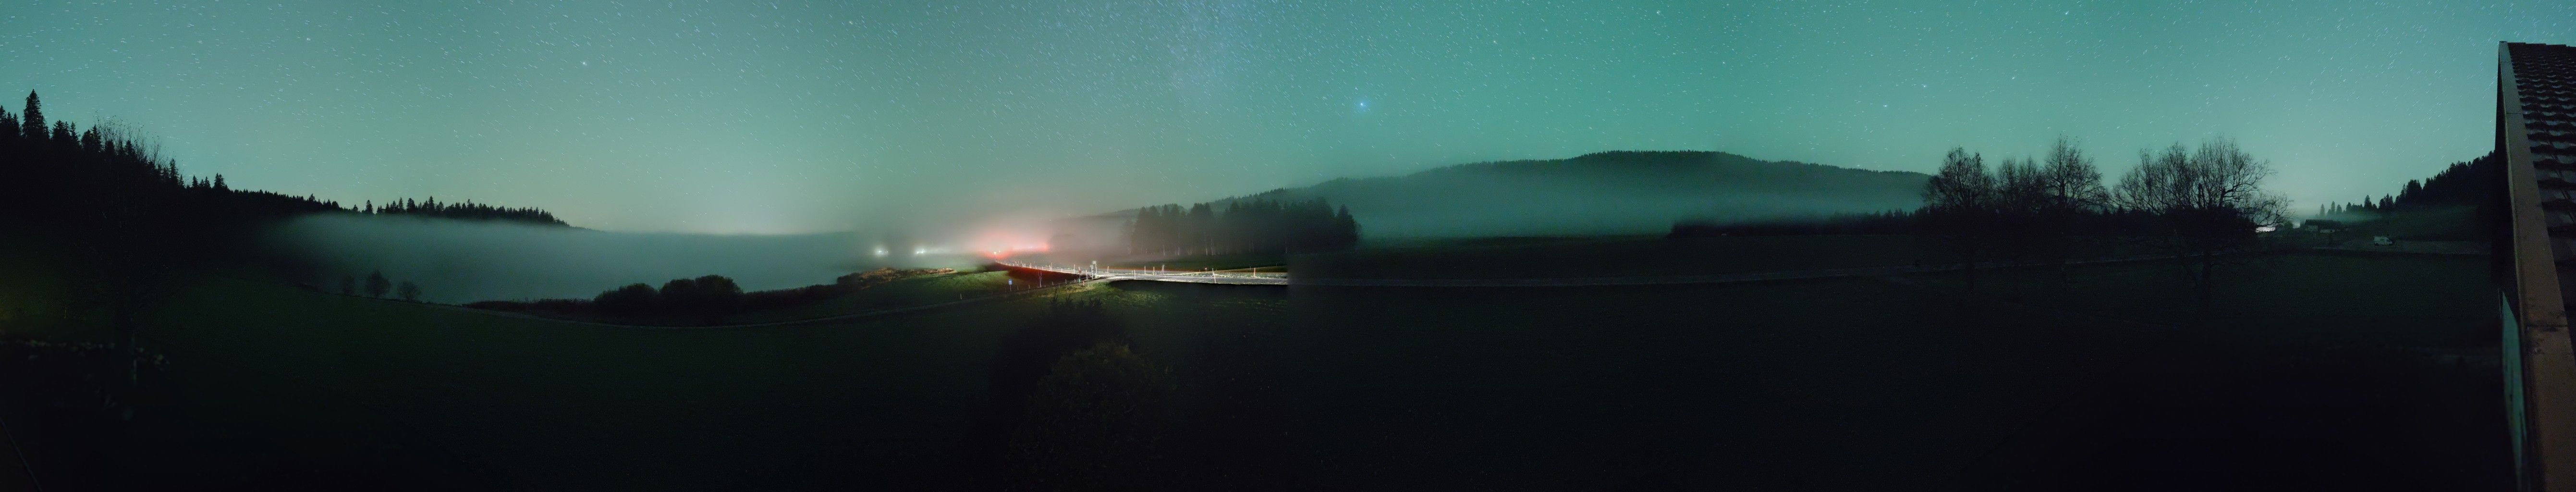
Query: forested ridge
[[108, 183], [1616, 192], [1243, 226]]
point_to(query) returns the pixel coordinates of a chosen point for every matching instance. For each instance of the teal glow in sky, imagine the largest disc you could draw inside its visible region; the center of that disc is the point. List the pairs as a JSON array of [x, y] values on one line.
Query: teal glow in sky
[[795, 116]]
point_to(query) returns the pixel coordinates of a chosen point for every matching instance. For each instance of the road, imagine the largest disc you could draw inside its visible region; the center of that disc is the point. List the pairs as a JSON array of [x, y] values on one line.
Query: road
[[1115, 274]]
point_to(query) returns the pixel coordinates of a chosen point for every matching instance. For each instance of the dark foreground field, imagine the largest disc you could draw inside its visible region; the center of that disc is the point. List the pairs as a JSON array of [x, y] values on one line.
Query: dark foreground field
[[2315, 372]]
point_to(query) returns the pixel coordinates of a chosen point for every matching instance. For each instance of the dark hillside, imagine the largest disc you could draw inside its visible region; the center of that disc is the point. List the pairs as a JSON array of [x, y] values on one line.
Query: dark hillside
[[1606, 193]]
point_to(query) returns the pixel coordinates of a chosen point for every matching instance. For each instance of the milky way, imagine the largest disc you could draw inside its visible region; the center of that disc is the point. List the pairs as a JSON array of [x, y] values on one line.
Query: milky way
[[806, 116]]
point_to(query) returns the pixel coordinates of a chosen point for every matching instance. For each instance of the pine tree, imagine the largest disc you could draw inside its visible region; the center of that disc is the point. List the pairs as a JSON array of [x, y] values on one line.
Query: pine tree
[[32, 125]]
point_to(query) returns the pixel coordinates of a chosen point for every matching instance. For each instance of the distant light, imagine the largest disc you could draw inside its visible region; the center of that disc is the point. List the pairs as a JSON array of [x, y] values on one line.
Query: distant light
[[2266, 229], [921, 251], [881, 252]]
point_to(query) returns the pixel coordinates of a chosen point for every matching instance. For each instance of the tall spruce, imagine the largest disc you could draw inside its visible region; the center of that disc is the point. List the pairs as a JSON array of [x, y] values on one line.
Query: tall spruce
[[32, 123]]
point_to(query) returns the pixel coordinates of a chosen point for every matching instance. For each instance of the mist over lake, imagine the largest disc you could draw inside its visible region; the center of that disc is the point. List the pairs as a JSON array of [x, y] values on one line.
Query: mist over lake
[[457, 261]]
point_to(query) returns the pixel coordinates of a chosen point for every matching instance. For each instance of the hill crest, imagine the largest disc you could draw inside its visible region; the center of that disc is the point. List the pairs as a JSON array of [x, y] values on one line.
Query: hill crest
[[1613, 192]]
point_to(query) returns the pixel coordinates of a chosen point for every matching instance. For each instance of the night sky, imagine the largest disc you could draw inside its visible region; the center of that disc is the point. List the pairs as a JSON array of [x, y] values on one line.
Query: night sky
[[762, 117]]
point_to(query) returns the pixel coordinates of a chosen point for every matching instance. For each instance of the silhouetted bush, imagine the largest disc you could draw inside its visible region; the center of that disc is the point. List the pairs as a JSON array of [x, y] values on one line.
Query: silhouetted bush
[[708, 298], [631, 300], [1024, 357]]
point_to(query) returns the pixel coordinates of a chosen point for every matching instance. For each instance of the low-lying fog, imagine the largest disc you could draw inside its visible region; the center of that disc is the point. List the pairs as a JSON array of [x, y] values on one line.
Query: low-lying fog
[[457, 261]]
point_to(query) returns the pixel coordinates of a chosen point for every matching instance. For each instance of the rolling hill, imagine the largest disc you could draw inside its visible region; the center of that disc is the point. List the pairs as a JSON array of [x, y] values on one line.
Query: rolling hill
[[1605, 193]]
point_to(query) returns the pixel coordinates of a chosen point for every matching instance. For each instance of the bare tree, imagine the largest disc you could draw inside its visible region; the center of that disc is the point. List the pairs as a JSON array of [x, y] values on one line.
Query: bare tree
[[2206, 202], [1959, 202], [2070, 180], [408, 291], [377, 285], [2071, 192], [2020, 197]]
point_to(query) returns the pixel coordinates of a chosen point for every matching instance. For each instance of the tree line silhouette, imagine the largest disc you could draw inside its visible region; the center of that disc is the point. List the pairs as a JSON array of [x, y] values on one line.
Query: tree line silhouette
[[84, 182], [467, 210], [123, 221], [2469, 184], [703, 300], [107, 184], [1245, 226], [2196, 204]]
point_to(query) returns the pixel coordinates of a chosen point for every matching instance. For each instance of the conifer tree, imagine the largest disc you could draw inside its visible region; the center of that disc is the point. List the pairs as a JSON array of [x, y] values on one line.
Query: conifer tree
[[32, 124]]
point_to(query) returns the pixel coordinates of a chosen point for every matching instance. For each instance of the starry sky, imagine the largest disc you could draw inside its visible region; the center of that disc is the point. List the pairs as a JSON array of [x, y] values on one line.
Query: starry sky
[[798, 116]]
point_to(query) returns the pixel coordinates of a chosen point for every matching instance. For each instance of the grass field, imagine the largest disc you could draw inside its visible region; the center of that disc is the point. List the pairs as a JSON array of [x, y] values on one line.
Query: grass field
[[285, 381], [1615, 257], [2456, 223], [903, 293], [1832, 384], [2315, 298]]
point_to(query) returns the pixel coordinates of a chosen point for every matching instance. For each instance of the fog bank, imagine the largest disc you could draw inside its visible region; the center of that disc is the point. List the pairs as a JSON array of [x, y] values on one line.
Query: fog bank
[[457, 261]]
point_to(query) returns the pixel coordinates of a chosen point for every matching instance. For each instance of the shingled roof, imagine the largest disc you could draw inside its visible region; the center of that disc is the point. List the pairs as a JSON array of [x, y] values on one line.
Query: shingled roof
[[2536, 133]]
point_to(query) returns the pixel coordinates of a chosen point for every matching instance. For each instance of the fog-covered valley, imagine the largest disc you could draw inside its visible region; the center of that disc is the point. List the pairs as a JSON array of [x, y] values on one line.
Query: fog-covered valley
[[458, 261]]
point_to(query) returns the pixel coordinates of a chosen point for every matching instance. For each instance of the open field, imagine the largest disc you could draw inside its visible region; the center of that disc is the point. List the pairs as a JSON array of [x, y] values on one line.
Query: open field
[[285, 381], [2458, 223], [1713, 386], [2313, 298], [903, 293], [1615, 257]]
